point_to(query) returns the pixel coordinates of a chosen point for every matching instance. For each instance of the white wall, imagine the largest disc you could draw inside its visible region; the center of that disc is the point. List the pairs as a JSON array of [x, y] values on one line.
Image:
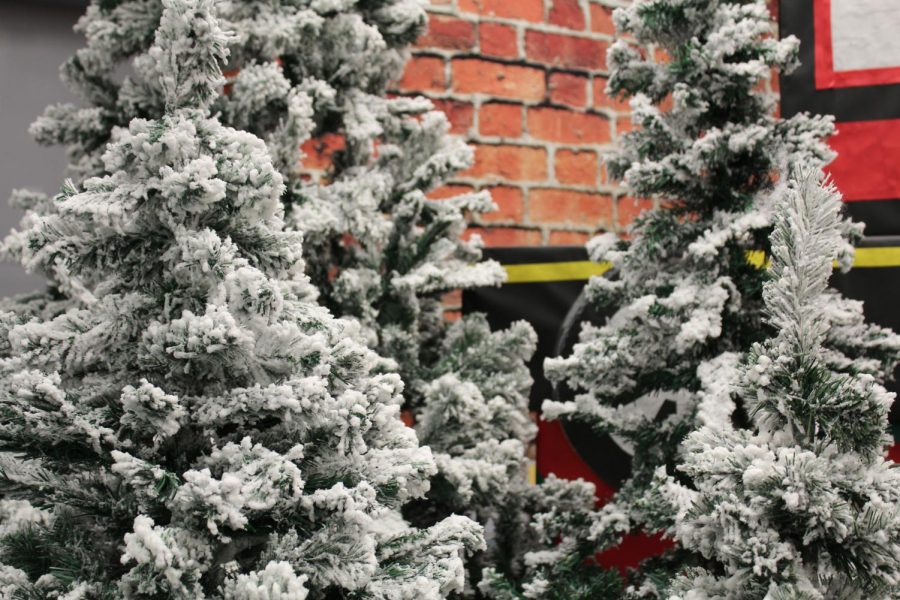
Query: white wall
[[35, 39]]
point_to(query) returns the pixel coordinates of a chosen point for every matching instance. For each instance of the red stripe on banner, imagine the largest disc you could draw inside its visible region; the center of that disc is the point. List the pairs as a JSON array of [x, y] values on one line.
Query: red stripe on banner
[[863, 77], [826, 76], [557, 456], [894, 453], [866, 167], [824, 58], [634, 549]]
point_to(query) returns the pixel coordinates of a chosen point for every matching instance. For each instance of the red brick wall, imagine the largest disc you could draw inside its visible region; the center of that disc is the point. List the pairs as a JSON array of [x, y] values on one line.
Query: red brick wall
[[523, 81]]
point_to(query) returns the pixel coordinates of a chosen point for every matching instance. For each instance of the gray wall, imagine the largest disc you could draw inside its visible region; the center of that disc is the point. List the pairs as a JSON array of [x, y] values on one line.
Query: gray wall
[[35, 38]]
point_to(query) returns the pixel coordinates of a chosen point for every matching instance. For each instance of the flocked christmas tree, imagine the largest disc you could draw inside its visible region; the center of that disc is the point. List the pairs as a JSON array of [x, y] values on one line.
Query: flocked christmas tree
[[376, 247], [803, 505], [196, 426], [686, 297]]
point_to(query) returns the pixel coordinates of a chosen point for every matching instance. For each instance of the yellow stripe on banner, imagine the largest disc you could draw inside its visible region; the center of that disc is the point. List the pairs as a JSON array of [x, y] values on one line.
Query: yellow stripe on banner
[[885, 256], [557, 271], [757, 258], [578, 270]]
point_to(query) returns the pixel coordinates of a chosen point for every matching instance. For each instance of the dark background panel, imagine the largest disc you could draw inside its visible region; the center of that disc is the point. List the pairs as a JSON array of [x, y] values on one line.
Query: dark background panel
[[556, 310], [544, 304], [526, 255], [882, 217]]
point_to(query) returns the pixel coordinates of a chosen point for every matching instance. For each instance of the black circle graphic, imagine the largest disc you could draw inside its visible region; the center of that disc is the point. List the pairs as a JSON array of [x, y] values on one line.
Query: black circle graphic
[[608, 459]]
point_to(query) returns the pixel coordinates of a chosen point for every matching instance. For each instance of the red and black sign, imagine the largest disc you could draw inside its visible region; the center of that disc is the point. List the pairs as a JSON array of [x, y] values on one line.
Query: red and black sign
[[850, 68]]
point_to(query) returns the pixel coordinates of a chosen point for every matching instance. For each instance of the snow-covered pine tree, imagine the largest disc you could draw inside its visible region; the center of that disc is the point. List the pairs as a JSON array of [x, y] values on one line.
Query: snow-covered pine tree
[[686, 302], [197, 427], [803, 505], [376, 248]]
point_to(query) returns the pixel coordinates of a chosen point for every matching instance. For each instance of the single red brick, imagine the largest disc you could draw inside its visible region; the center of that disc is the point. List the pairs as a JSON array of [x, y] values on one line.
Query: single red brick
[[472, 75], [761, 86], [526, 10], [319, 151], [567, 13], [601, 19], [423, 73], [667, 103], [230, 75], [576, 168], [566, 50], [500, 119], [448, 32], [510, 205], [561, 125], [568, 238], [603, 100], [629, 208], [661, 55], [452, 300], [518, 163], [623, 125], [449, 191], [775, 81], [566, 88], [569, 208], [460, 114], [498, 40], [505, 236]]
